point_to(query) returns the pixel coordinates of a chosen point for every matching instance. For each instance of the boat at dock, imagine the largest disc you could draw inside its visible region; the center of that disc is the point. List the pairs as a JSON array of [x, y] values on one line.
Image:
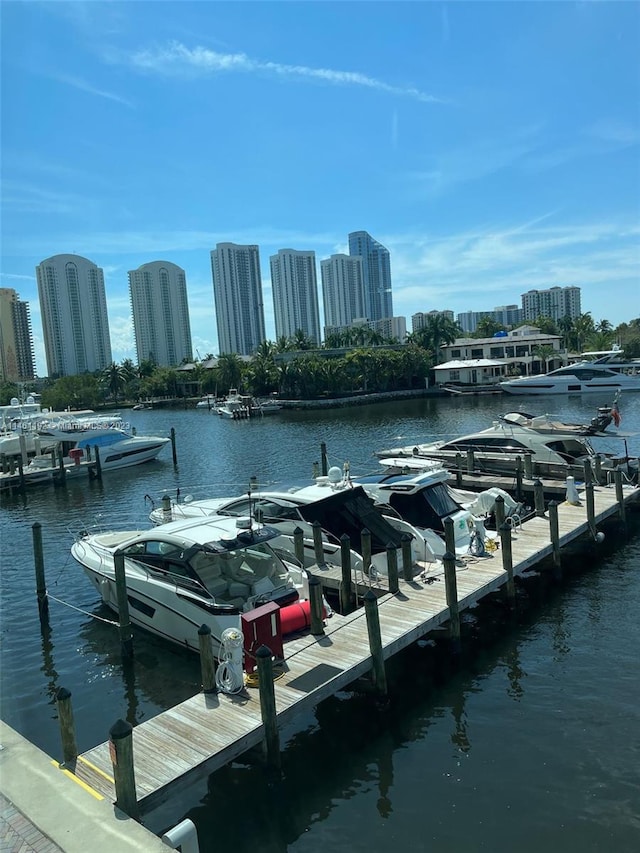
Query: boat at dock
[[607, 373], [193, 571]]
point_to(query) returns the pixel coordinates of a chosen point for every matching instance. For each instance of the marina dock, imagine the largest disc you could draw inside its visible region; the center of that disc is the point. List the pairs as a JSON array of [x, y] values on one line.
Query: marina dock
[[207, 731]]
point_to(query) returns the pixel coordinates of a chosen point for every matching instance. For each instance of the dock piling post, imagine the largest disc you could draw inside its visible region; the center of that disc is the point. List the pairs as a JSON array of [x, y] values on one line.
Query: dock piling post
[[126, 631], [207, 663], [528, 466], [407, 558], [591, 510], [298, 545], [459, 470], [597, 469], [498, 509], [507, 561], [323, 459], [41, 586], [588, 473], [554, 531], [346, 594], [271, 743], [317, 544], [449, 535], [538, 497], [62, 470], [365, 537], [166, 508], [518, 478], [67, 727], [392, 568], [451, 589], [96, 450], [470, 461], [617, 479], [316, 606], [375, 642], [22, 483], [121, 749], [174, 455]]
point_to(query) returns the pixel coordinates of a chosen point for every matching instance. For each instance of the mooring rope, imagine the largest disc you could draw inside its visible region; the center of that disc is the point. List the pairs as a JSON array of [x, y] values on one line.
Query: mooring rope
[[80, 610]]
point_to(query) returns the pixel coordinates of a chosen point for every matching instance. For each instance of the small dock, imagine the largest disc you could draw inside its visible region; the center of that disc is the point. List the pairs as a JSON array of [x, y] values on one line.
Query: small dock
[[206, 732]]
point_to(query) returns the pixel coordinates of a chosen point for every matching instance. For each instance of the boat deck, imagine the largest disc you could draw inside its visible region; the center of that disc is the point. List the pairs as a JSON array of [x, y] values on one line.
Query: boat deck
[[206, 732]]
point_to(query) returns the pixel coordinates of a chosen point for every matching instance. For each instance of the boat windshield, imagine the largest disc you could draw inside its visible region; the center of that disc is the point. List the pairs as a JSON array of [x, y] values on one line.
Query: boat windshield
[[238, 574], [570, 449]]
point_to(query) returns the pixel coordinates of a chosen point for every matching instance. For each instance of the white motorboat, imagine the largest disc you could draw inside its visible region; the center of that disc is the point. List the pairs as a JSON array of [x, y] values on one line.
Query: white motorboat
[[79, 437], [557, 449], [598, 376], [189, 573], [209, 401]]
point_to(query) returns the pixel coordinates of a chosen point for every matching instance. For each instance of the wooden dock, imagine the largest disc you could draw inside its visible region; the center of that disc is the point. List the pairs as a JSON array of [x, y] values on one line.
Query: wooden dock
[[206, 732]]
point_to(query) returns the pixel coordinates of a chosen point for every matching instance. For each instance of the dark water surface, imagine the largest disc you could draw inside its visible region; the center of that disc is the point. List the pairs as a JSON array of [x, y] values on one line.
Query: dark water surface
[[534, 743]]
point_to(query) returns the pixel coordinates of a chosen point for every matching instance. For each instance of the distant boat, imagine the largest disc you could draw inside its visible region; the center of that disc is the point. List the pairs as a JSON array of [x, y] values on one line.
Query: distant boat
[[597, 376]]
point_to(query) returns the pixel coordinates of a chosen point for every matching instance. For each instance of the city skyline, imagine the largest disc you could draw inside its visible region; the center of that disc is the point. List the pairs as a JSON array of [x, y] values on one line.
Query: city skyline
[[491, 148]]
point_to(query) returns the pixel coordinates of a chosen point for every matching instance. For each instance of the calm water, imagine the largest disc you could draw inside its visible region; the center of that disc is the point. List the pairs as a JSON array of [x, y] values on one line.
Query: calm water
[[533, 742]]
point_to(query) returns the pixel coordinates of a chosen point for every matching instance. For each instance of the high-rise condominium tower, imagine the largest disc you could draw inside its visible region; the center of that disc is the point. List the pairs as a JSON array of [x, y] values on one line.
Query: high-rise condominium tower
[[74, 315], [158, 293], [342, 291], [376, 275], [237, 292], [557, 302], [295, 294], [16, 338]]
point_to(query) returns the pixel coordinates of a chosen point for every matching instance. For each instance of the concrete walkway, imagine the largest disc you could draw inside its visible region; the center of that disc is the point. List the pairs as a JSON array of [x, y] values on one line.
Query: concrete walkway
[[45, 810]]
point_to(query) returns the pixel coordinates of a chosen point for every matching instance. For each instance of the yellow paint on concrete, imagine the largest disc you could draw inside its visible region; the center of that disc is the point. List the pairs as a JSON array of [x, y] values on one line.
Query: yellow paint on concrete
[[82, 784]]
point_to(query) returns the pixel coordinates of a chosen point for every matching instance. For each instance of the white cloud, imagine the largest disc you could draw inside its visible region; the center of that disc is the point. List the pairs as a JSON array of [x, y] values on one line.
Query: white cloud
[[176, 58], [79, 83]]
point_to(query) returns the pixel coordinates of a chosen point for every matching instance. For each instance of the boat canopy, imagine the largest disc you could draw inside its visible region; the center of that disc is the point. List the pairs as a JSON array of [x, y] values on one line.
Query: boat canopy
[[350, 511]]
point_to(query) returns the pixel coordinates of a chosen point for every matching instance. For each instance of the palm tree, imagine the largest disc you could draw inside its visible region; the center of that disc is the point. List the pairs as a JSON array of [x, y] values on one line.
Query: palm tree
[[582, 328], [544, 352], [114, 377], [230, 369], [438, 330]]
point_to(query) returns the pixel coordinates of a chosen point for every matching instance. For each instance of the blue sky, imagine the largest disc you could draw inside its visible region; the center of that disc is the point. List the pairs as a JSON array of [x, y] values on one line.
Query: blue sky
[[492, 147]]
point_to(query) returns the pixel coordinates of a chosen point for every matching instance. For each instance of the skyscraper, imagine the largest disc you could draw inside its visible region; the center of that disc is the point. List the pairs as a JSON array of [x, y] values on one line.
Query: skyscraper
[[237, 292], [295, 293], [16, 338], [376, 275], [556, 302], [74, 315], [158, 293], [342, 291]]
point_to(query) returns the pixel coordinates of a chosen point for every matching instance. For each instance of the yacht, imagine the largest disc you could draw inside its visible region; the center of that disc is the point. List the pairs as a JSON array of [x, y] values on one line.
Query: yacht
[[78, 437], [184, 574], [556, 451], [598, 376]]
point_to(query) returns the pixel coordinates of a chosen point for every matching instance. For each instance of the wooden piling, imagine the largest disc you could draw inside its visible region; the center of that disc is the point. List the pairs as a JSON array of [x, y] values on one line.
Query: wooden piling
[[166, 509], [449, 535], [538, 497], [597, 469], [318, 550], [67, 727], [498, 510], [365, 537], [507, 560], [588, 473], [392, 568], [554, 532], [126, 631], [316, 606], [21, 482], [298, 545], [61, 469], [207, 662], [407, 557], [121, 749], [98, 464], [528, 466], [451, 589], [459, 470], [519, 491], [375, 642], [174, 455], [323, 459], [271, 742], [41, 586], [346, 591], [591, 508], [617, 479], [471, 462]]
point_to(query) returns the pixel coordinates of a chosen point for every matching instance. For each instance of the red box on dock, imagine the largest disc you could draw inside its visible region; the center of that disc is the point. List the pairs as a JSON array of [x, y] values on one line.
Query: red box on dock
[[261, 627]]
